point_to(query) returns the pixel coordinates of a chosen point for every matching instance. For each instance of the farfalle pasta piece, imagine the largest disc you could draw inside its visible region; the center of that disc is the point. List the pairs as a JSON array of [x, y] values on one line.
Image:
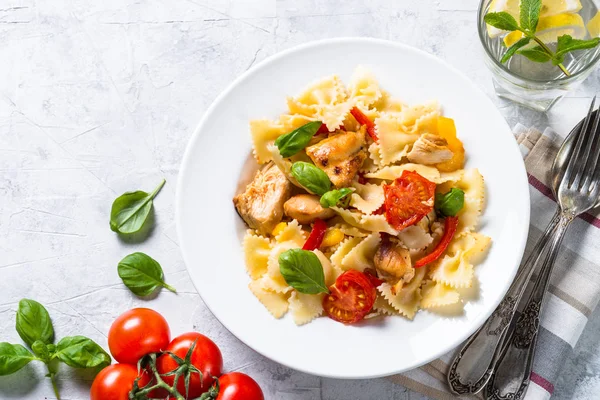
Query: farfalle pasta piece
[[256, 253], [274, 284], [284, 164], [455, 269], [305, 307], [392, 172], [291, 122], [275, 281], [330, 271], [367, 198], [334, 115], [350, 230], [436, 294], [415, 237], [375, 154], [275, 303], [264, 132], [383, 306], [292, 233], [473, 185], [372, 223], [342, 251], [361, 256], [363, 87], [388, 104], [406, 300], [394, 140], [420, 118]]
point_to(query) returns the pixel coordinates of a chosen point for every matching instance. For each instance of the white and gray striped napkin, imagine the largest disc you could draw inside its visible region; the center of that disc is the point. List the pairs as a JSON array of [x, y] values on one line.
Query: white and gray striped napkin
[[574, 288]]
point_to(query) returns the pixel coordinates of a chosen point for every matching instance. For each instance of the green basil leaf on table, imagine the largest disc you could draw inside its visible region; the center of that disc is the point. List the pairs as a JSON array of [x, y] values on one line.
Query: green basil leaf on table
[[142, 274], [291, 143], [130, 210], [40, 349], [501, 20], [450, 203], [536, 54], [333, 197], [530, 14], [13, 357], [513, 49], [81, 352], [312, 178], [303, 271], [33, 322]]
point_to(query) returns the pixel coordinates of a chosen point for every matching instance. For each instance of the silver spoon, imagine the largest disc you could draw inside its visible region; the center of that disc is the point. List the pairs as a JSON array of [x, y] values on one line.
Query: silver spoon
[[473, 366]]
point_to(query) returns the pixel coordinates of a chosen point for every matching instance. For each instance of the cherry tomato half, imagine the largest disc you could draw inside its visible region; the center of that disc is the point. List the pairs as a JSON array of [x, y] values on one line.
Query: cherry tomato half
[[115, 382], [408, 200], [206, 357], [351, 297], [136, 333], [239, 386]]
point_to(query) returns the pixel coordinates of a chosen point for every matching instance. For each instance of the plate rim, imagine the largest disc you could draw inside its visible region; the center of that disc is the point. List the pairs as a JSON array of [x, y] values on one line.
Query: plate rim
[[522, 239]]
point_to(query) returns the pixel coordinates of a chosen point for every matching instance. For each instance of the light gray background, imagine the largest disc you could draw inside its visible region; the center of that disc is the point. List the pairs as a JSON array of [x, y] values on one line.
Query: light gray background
[[98, 97]]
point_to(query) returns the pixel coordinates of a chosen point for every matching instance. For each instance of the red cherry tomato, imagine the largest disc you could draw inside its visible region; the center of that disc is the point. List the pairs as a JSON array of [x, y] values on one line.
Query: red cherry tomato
[[408, 200], [238, 386], [136, 333], [115, 382], [206, 357], [350, 298]]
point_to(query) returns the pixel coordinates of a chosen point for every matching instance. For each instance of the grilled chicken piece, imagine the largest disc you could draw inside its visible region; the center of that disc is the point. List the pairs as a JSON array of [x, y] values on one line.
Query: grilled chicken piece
[[261, 204], [340, 156], [306, 208], [430, 149], [393, 264]]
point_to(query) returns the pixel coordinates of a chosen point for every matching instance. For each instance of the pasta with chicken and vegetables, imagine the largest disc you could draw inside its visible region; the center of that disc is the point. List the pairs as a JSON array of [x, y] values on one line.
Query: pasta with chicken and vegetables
[[361, 206]]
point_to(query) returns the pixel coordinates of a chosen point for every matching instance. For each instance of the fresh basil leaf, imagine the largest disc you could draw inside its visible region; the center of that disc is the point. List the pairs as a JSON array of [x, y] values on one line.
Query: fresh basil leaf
[[142, 274], [130, 210], [501, 20], [81, 352], [291, 143], [566, 44], [530, 14], [333, 197], [536, 54], [513, 49], [312, 178], [303, 271], [40, 349], [33, 322], [450, 203], [13, 357]]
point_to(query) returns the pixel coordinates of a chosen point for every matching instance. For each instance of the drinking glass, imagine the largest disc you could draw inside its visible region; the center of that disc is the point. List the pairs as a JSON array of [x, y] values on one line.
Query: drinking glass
[[536, 85]]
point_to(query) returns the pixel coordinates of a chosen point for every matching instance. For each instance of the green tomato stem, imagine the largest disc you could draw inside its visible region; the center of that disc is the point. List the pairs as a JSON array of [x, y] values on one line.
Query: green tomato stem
[[551, 54]]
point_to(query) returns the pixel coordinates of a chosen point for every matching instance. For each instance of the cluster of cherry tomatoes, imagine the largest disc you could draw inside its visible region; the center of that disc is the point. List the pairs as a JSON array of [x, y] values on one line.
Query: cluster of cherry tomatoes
[[142, 331]]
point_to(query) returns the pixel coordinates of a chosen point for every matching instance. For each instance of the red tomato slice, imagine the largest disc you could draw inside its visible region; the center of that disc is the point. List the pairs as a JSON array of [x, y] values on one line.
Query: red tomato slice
[[350, 298], [408, 200]]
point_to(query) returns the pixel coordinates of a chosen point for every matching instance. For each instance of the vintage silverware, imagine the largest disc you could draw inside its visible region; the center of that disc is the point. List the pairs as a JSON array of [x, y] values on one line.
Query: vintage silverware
[[576, 186], [473, 366]]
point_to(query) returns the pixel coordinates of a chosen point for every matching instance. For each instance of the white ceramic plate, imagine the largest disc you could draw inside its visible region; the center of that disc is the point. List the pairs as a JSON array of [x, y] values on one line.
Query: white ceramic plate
[[210, 230]]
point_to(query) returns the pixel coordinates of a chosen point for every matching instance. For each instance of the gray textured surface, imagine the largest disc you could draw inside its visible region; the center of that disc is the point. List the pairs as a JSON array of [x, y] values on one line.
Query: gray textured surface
[[100, 97]]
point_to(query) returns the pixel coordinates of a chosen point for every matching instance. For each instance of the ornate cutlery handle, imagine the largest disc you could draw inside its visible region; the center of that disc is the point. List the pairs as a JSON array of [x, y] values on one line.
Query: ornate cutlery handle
[[473, 366], [514, 366]]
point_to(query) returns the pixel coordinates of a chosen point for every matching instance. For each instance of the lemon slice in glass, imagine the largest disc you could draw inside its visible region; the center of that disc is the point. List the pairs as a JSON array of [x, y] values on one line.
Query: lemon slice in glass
[[550, 28], [593, 26], [549, 8]]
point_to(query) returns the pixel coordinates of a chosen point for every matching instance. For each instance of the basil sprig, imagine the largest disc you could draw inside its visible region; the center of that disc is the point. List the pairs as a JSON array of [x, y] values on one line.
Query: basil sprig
[[333, 197], [291, 143], [34, 325], [142, 274], [303, 271], [450, 203], [130, 211], [312, 178]]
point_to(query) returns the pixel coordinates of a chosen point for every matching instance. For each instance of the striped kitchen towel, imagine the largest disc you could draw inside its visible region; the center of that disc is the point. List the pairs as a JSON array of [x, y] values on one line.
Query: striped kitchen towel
[[574, 287]]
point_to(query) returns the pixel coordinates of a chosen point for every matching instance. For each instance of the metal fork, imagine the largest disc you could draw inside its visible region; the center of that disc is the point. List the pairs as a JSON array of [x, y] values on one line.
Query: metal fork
[[577, 192]]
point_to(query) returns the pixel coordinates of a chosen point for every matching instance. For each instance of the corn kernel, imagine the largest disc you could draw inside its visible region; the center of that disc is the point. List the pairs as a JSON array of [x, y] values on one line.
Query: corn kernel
[[332, 237], [278, 228]]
